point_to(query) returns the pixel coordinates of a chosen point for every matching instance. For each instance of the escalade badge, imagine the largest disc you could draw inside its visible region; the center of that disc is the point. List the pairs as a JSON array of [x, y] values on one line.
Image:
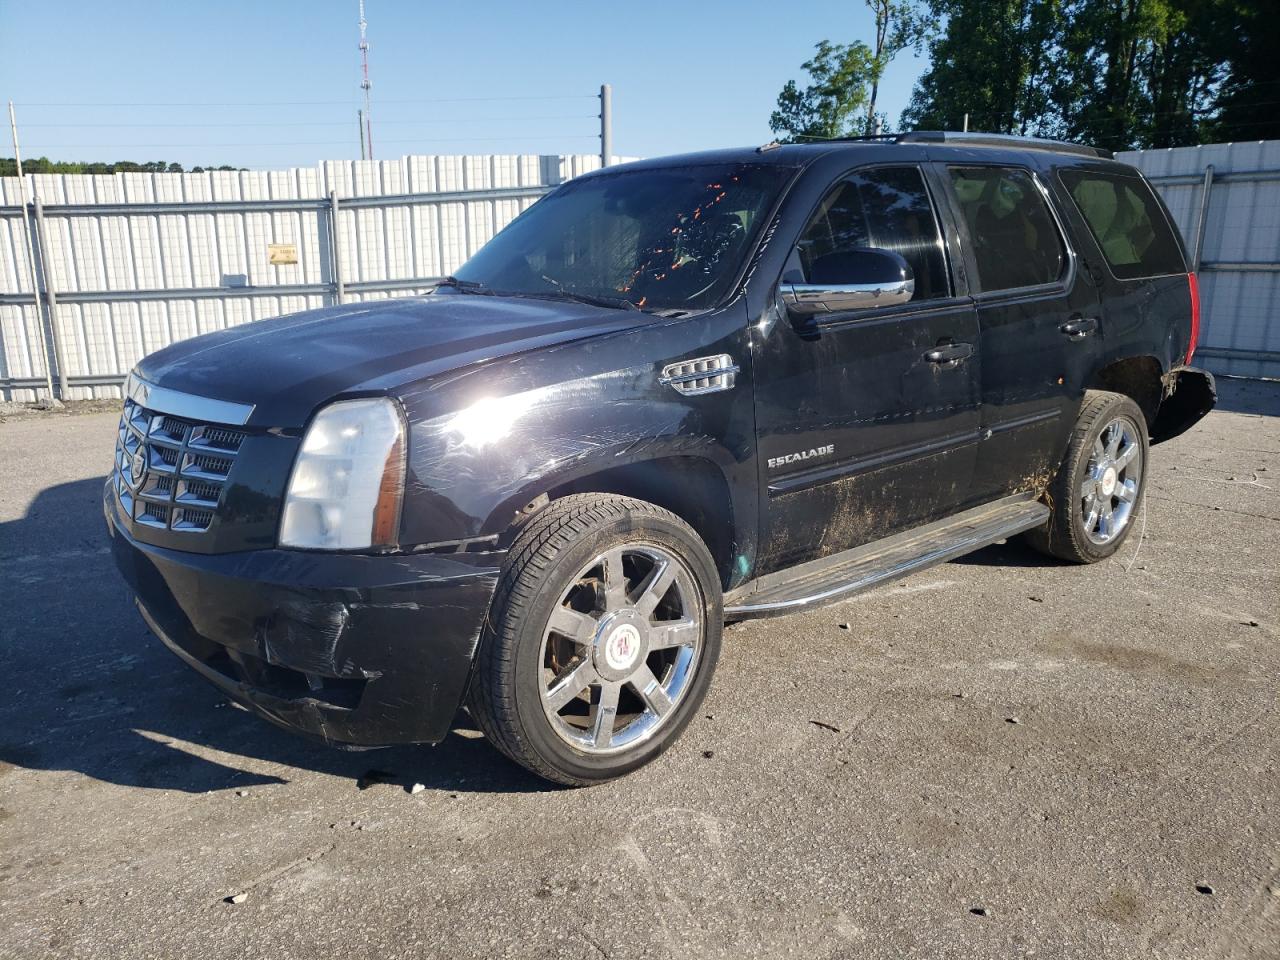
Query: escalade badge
[[787, 458], [138, 465]]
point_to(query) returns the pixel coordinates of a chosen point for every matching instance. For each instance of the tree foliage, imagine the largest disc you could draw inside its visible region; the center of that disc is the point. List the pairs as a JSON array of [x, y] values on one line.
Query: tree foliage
[[844, 79], [1115, 73], [1249, 99], [838, 89], [9, 166], [992, 60]]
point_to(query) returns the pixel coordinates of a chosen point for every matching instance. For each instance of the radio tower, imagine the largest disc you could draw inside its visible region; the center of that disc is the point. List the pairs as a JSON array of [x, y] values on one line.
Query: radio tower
[[365, 85]]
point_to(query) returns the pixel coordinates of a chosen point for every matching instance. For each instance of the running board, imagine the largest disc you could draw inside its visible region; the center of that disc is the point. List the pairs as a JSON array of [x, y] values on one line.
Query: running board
[[843, 575]]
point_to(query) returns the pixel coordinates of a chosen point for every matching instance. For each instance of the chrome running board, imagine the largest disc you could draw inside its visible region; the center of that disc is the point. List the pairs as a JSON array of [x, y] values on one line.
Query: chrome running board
[[846, 574]]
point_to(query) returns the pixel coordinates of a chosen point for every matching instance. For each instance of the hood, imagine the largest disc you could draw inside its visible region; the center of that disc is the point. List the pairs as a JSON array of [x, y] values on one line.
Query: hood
[[288, 366]]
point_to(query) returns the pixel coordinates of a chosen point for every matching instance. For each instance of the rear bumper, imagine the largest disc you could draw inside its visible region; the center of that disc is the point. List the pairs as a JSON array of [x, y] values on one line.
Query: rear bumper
[[352, 650], [1189, 394]]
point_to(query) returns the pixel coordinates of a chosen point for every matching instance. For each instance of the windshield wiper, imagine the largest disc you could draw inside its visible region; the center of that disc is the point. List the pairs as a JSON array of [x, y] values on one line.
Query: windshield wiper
[[465, 286], [615, 303]]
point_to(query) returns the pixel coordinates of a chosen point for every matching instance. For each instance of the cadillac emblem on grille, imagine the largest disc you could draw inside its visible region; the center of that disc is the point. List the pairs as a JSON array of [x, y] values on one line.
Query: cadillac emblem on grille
[[170, 471], [138, 465]]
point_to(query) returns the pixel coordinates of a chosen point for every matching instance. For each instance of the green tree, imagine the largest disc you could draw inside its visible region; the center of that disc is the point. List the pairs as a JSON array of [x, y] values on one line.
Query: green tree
[[992, 60], [844, 79], [840, 76], [1141, 73], [1249, 98], [898, 25]]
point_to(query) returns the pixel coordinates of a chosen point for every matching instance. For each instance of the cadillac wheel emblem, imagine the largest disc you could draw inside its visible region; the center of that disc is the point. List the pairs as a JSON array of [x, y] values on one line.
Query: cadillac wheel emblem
[[138, 465]]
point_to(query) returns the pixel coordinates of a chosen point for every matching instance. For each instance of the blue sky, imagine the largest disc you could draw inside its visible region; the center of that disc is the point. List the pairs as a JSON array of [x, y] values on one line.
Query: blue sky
[[274, 83]]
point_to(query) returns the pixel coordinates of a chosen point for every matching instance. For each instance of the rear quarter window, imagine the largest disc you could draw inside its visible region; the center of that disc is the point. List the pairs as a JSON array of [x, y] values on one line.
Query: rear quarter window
[[1127, 222]]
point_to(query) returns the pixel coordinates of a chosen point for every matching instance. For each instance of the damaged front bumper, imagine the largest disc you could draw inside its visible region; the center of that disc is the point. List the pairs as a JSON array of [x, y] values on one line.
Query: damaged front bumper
[[353, 650]]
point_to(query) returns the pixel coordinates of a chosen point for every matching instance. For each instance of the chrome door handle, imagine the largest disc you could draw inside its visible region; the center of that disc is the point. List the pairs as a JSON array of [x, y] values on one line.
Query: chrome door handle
[[949, 355], [1080, 327]]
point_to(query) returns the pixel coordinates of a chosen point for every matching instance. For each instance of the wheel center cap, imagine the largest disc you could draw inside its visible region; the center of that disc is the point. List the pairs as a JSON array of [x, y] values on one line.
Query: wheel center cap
[[622, 648], [1108, 482], [621, 645]]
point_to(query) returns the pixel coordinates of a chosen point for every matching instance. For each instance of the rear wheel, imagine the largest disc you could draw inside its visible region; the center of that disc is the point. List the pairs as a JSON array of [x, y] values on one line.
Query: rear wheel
[[1095, 497], [604, 635]]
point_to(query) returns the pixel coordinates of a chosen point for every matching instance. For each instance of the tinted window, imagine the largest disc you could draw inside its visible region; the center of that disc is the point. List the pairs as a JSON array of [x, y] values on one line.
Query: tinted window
[[889, 209], [663, 238], [1015, 240], [1127, 222]]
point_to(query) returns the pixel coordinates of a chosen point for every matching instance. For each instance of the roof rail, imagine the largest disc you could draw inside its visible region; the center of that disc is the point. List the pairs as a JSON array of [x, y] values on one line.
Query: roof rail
[[960, 138], [1002, 140]]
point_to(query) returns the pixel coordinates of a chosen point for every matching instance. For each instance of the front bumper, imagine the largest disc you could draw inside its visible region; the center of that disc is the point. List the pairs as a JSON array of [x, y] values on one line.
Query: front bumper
[[352, 650]]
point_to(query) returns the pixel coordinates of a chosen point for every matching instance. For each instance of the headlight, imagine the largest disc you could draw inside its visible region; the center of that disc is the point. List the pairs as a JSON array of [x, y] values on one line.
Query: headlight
[[348, 479]]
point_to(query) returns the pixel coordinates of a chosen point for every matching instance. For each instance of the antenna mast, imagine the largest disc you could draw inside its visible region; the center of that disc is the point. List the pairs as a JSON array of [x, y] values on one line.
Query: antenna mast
[[365, 85]]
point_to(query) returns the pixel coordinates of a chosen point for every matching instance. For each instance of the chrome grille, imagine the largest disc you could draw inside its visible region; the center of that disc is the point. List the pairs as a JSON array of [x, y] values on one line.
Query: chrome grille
[[170, 472]]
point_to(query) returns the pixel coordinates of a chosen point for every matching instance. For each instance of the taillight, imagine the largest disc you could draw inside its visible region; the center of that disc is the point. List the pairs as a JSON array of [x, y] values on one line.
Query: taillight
[[1194, 284]]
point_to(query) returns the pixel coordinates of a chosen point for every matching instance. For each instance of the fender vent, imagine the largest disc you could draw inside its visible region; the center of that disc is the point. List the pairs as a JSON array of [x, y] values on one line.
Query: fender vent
[[703, 375]]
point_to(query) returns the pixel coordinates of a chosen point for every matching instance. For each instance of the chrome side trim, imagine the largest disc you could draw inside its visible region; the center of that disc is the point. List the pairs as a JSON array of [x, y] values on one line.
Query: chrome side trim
[[702, 375], [825, 473], [186, 405]]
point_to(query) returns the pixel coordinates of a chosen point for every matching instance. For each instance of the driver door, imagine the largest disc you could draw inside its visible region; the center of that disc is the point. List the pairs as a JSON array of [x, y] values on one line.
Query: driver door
[[867, 419]]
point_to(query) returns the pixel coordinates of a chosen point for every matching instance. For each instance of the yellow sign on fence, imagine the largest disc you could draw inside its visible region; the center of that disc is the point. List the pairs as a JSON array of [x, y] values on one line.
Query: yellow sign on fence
[[279, 254]]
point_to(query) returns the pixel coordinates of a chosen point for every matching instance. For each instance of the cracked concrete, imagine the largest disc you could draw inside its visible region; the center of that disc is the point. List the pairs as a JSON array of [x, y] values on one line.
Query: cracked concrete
[[1143, 766]]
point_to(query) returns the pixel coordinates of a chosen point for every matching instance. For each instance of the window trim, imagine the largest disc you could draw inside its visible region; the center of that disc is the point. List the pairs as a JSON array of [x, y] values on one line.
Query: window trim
[[911, 306], [1066, 278], [1164, 214]]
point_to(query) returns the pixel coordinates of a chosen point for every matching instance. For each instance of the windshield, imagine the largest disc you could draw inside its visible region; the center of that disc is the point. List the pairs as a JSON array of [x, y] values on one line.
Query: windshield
[[672, 238]]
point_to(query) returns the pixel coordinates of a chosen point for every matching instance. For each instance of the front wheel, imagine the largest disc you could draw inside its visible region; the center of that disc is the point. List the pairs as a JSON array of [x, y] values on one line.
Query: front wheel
[[1095, 496], [604, 634]]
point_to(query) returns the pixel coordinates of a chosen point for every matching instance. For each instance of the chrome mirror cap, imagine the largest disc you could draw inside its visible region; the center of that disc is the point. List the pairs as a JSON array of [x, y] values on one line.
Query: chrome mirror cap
[[845, 280], [807, 299]]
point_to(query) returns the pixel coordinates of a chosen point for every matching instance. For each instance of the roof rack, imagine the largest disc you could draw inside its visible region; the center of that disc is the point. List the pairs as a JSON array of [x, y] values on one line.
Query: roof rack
[[960, 138], [1002, 140]]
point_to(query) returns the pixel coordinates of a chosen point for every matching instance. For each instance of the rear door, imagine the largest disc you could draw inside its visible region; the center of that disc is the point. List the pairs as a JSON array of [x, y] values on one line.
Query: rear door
[[861, 434], [1142, 268], [1038, 319]]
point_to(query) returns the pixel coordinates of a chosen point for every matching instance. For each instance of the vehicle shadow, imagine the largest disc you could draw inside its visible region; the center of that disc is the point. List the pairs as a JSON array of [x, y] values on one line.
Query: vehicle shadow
[[90, 690]]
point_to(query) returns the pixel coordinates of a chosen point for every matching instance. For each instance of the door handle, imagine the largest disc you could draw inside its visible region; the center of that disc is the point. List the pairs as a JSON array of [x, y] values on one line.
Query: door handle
[[949, 355], [1080, 327]]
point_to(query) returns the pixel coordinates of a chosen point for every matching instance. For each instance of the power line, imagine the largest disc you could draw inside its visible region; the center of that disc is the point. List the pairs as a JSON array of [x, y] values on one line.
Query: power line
[[314, 123], [306, 103], [301, 143]]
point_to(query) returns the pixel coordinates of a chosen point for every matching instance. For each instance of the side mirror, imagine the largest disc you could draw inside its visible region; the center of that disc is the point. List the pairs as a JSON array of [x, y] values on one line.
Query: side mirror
[[854, 280]]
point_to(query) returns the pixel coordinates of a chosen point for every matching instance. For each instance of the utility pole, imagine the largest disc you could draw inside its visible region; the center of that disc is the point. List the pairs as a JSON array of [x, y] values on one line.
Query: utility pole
[[28, 200], [365, 85], [606, 125]]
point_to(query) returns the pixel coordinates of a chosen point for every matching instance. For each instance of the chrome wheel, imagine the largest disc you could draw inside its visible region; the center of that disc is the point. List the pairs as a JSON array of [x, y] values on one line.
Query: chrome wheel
[[621, 648], [1112, 480]]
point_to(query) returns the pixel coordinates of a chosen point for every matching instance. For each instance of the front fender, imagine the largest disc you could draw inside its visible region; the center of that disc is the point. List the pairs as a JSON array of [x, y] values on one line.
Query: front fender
[[485, 445]]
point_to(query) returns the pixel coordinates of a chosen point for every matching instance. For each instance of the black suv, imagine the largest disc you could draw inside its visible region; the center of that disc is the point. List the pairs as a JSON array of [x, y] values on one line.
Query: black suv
[[669, 394]]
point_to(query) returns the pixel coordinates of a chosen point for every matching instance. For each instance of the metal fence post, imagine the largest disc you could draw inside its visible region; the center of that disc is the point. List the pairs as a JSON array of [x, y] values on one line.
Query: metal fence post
[[50, 297], [606, 125], [1200, 220], [339, 290]]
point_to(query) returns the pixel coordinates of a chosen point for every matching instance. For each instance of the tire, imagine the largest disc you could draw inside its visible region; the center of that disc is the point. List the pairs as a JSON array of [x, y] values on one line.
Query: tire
[[1084, 484], [599, 564]]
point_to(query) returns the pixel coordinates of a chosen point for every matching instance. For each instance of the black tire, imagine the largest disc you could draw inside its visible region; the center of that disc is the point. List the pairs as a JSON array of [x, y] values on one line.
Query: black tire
[[1066, 535], [506, 695]]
